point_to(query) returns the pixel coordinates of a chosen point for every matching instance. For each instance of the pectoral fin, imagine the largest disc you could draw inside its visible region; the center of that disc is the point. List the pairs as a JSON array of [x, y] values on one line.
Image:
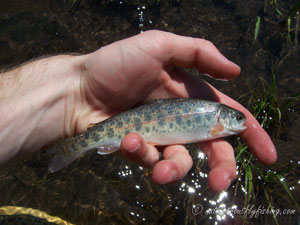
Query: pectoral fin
[[104, 150], [91, 125], [216, 129]]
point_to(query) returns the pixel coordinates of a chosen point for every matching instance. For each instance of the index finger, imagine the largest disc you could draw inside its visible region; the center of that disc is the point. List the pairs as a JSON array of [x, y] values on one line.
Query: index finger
[[181, 51]]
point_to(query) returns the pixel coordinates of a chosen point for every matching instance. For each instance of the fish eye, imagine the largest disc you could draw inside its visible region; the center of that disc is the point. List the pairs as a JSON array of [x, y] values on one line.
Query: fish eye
[[239, 116]]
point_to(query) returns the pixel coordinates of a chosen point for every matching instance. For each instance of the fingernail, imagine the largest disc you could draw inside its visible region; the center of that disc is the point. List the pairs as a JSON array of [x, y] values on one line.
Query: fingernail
[[173, 176], [134, 149], [229, 182]]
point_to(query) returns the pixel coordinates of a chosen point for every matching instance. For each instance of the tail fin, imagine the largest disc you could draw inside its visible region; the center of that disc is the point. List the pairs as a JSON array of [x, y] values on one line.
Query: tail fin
[[64, 153]]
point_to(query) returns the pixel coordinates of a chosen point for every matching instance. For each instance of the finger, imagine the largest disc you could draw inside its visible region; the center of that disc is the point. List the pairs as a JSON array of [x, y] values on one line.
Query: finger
[[177, 162], [222, 163], [185, 85], [191, 52], [136, 150]]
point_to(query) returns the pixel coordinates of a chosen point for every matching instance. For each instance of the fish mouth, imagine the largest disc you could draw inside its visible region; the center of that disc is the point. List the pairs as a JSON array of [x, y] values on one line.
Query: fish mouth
[[241, 129]]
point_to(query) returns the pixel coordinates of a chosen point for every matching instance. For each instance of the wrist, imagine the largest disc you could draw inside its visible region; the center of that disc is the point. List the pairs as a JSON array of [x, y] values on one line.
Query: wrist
[[37, 102]]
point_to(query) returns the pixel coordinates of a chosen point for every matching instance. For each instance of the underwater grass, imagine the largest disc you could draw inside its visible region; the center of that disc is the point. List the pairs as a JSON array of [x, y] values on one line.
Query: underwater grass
[[269, 109], [257, 26], [274, 3], [265, 104], [288, 19], [295, 13], [79, 3], [288, 23]]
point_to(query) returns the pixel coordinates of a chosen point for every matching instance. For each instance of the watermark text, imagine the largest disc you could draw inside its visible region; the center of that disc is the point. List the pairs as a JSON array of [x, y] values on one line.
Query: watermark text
[[249, 211]]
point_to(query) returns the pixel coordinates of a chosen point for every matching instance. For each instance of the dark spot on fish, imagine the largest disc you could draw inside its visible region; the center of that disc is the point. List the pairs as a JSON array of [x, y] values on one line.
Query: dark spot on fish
[[86, 135], [112, 122], [127, 132], [120, 124], [198, 118], [207, 116], [154, 129], [188, 122], [148, 117], [161, 122], [100, 128], [95, 136], [138, 124], [137, 120], [126, 118], [178, 120], [171, 125], [170, 109], [119, 136], [83, 143], [160, 114], [186, 109], [110, 133], [147, 129], [72, 148]]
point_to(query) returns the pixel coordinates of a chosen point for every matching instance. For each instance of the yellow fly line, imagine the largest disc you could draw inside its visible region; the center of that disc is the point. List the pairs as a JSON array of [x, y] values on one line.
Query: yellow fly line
[[17, 210]]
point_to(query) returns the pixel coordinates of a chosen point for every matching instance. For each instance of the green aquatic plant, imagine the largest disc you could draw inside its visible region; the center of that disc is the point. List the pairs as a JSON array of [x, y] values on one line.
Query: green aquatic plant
[[288, 22], [274, 3], [257, 26], [79, 3], [254, 177], [269, 109], [294, 14], [265, 104], [288, 19]]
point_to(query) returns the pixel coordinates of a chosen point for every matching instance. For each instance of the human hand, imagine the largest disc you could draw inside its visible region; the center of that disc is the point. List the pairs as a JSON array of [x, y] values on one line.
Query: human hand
[[60, 96], [129, 72]]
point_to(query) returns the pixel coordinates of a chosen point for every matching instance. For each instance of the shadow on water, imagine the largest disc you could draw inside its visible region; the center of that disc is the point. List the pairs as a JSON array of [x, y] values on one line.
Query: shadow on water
[[110, 190]]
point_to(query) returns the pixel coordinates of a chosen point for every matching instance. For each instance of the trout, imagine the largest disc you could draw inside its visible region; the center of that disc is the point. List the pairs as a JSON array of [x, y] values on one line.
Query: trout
[[160, 122]]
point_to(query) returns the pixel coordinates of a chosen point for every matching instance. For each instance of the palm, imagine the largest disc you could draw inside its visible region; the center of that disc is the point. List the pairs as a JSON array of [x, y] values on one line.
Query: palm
[[134, 76]]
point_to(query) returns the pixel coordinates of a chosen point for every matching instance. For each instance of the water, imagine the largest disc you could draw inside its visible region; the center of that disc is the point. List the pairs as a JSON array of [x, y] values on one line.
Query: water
[[110, 190]]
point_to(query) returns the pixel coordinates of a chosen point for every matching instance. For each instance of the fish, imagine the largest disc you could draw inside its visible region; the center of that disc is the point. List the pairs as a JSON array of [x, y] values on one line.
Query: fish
[[159, 122]]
